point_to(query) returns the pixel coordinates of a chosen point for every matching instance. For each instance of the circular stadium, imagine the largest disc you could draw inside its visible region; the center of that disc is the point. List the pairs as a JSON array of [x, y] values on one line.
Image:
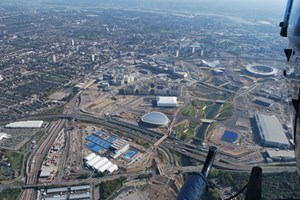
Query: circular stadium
[[155, 119], [261, 70]]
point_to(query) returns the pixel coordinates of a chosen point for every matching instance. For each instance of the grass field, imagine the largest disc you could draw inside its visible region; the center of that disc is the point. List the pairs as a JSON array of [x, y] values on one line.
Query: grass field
[[197, 109], [56, 78], [10, 194], [5, 174], [15, 159], [225, 112], [186, 130]]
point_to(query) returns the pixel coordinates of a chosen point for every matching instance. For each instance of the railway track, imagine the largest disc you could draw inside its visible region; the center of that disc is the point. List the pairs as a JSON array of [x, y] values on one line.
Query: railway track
[[35, 162]]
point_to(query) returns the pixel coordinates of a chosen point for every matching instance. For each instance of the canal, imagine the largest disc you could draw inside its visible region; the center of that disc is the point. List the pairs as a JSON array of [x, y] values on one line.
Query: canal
[[201, 131]]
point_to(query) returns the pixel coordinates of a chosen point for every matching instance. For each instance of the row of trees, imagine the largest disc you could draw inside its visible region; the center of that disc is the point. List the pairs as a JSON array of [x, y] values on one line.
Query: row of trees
[[109, 187]]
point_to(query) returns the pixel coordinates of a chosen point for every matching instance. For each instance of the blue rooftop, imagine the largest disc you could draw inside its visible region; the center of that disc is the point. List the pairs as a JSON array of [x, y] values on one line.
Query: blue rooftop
[[130, 154], [90, 145], [111, 139], [94, 147], [229, 136], [97, 148], [98, 141], [100, 132]]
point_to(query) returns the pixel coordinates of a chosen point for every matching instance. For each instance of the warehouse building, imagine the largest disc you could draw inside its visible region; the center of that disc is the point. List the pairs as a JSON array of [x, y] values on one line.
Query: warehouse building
[[263, 101], [71, 192], [270, 131], [167, 102], [25, 124], [281, 156]]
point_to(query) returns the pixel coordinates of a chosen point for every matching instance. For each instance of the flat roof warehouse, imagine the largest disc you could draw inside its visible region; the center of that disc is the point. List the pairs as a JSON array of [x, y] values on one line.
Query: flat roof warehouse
[[25, 124], [166, 101], [271, 131]]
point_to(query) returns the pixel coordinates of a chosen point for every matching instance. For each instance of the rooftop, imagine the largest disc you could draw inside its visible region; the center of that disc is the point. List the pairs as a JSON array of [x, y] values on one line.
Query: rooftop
[[57, 190], [155, 118], [281, 154], [166, 100], [25, 124], [81, 187], [3, 135], [272, 129]]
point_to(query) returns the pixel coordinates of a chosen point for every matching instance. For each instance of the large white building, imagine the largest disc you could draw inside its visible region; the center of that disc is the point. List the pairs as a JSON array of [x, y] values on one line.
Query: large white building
[[270, 131], [25, 124], [100, 164], [170, 102]]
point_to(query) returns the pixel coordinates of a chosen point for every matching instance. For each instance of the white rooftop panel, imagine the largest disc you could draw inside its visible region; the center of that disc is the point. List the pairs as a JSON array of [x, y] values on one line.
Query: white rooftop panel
[[90, 156], [105, 166], [100, 163], [94, 161], [57, 190], [81, 187], [80, 196], [55, 198], [25, 124], [3, 135], [166, 101], [113, 168]]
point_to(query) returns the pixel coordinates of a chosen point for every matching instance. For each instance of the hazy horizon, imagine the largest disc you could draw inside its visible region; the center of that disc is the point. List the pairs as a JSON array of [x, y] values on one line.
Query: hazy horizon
[[251, 8]]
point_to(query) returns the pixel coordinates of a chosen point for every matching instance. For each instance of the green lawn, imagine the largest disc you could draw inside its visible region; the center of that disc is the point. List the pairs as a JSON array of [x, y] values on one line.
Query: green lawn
[[225, 112], [197, 109], [4, 174], [10, 194], [15, 159], [186, 130], [110, 187], [189, 111], [56, 78]]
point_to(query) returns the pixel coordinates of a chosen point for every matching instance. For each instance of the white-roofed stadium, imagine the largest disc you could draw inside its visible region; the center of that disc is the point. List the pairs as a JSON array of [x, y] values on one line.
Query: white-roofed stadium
[[155, 119], [261, 70], [270, 131]]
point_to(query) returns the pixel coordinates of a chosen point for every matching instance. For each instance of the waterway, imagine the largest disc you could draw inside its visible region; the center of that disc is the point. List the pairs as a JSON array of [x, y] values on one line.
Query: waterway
[[187, 161], [203, 128], [201, 131]]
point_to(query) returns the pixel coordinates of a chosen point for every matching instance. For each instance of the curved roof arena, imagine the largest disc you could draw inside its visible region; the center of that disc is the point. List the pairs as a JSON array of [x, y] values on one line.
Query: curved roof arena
[[155, 118], [262, 70]]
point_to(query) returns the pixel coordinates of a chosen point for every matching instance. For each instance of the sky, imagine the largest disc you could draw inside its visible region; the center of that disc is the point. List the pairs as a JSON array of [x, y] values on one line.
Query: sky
[[251, 8]]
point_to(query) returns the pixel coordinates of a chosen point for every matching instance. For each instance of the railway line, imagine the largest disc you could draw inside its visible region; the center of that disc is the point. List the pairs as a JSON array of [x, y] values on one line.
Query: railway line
[[35, 162], [169, 145], [172, 144]]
